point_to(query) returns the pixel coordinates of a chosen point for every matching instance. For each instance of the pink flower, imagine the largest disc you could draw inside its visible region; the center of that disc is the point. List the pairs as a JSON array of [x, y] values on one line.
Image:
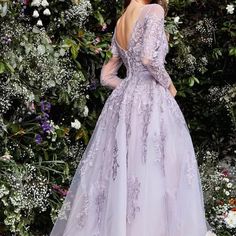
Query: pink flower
[[104, 26], [97, 40], [60, 190], [98, 50], [225, 172], [26, 2]]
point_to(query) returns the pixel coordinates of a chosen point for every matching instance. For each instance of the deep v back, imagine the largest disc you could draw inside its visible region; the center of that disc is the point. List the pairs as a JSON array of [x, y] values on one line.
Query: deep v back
[[131, 31], [147, 47]]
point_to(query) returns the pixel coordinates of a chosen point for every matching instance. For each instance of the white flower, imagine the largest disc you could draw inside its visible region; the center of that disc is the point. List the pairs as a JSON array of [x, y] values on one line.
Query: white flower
[[76, 124], [6, 156], [39, 23], [217, 188], [56, 127], [230, 8], [35, 14], [226, 180], [230, 219], [176, 19], [44, 3], [227, 193], [36, 3], [229, 185], [86, 110], [46, 12]]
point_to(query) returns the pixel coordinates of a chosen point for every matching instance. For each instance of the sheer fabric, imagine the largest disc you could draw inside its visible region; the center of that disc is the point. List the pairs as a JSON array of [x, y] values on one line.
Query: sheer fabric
[[151, 56], [138, 175], [109, 70]]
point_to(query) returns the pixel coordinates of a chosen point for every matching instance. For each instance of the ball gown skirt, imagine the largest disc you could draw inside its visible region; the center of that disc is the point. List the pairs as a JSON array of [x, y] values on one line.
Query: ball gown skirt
[[138, 175]]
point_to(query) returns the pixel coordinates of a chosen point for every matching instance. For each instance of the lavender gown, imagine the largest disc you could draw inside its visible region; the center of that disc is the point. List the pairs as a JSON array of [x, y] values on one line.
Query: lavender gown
[[138, 175]]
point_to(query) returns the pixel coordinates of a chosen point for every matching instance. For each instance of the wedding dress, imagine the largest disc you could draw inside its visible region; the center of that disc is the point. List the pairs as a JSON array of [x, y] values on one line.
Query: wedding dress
[[138, 175]]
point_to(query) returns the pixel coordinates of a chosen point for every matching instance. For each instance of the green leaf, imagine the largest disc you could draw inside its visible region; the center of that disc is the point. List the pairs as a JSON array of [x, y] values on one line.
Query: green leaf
[[78, 64], [68, 43], [14, 128], [191, 81], [74, 51], [232, 52], [196, 79], [99, 17], [2, 67]]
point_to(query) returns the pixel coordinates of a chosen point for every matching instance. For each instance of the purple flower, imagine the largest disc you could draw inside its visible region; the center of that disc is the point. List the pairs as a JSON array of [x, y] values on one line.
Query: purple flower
[[46, 127], [45, 106], [42, 118], [38, 138]]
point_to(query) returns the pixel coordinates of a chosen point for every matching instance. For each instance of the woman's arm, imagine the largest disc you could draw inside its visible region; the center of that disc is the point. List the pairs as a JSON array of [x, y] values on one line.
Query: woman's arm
[[109, 71], [151, 55]]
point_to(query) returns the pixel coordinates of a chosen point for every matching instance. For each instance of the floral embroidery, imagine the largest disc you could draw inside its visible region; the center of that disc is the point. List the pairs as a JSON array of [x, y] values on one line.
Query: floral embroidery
[[157, 146], [162, 137], [100, 200], [146, 121], [115, 164], [133, 192], [117, 95], [83, 212]]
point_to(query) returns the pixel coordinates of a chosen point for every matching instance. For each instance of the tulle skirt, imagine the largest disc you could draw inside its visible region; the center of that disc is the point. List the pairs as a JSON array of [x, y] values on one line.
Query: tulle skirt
[[138, 175]]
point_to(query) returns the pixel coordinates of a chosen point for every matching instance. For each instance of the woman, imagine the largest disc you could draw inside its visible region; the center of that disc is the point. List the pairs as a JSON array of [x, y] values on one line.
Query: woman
[[138, 175]]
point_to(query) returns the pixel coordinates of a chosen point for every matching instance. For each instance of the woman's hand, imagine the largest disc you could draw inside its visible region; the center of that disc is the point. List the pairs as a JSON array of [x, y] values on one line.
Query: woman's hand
[[172, 89]]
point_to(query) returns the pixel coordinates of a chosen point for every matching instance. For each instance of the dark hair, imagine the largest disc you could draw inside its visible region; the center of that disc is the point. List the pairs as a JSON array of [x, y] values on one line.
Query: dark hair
[[163, 3]]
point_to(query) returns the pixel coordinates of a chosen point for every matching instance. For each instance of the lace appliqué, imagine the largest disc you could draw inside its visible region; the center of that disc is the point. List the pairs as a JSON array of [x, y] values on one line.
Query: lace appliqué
[[162, 137], [157, 143], [116, 97], [146, 120], [133, 193], [115, 163], [83, 212], [100, 201]]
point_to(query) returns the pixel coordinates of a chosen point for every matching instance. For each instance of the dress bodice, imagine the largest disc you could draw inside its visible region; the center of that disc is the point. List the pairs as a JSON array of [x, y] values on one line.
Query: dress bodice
[[132, 56], [146, 50]]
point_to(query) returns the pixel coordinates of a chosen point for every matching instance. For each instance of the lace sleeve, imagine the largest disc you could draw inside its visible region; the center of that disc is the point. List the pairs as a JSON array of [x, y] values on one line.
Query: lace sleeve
[[108, 77], [151, 55]]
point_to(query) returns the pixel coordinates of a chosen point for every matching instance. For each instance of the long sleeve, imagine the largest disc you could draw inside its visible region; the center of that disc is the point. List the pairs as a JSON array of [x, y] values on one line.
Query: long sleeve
[[108, 76], [152, 55]]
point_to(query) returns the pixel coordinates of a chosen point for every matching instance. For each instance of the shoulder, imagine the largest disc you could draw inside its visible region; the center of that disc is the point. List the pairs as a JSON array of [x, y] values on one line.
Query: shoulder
[[155, 9]]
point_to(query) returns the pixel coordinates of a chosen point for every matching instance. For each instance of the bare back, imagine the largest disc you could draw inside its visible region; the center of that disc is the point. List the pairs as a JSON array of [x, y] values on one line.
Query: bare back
[[126, 23]]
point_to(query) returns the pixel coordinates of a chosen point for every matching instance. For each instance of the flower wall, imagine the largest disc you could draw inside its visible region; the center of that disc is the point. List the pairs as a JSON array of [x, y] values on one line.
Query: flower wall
[[50, 99]]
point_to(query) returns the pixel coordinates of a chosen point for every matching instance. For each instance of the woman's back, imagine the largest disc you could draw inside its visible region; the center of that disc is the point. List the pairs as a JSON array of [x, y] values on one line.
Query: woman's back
[[139, 41], [126, 23]]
